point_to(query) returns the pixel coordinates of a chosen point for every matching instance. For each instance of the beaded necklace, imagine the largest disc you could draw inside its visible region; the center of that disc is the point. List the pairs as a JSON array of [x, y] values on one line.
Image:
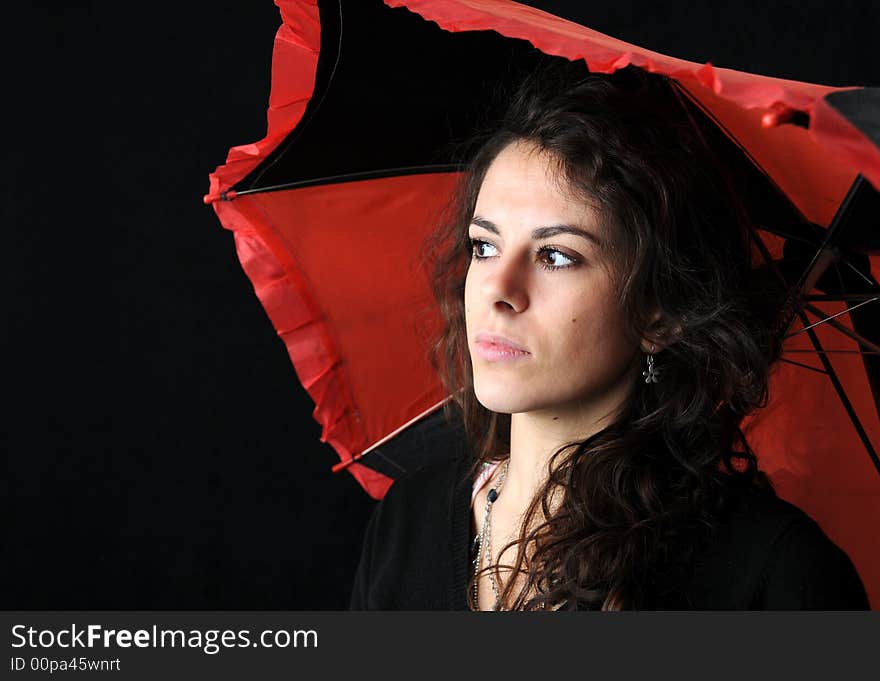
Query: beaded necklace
[[484, 540]]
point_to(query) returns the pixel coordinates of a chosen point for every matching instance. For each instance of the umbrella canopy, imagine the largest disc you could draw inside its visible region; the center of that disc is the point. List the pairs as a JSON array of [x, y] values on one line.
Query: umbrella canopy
[[330, 208]]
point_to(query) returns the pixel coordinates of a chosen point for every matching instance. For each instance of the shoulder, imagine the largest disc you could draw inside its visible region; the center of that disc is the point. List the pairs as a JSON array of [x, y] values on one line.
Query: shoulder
[[768, 554], [435, 481], [759, 517], [406, 560], [805, 570], [419, 505]]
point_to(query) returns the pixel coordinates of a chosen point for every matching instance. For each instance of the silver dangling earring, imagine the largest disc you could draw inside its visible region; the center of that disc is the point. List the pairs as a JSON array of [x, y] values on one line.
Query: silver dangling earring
[[652, 375]]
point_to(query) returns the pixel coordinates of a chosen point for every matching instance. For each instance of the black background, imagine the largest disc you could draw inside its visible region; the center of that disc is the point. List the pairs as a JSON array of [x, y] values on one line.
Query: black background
[[161, 453]]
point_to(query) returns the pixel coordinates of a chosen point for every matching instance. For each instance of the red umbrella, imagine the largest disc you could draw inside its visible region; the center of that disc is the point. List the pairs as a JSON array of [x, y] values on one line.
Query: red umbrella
[[330, 207]]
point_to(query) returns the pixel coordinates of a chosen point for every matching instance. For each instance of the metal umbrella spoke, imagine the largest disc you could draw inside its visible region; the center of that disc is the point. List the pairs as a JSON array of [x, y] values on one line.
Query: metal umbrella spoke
[[837, 325]]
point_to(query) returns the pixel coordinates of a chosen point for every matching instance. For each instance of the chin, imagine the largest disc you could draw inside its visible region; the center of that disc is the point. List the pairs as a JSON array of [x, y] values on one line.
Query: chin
[[503, 400]]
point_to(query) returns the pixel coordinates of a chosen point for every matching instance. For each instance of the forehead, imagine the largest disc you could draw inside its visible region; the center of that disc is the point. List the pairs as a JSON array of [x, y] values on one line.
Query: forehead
[[526, 181]]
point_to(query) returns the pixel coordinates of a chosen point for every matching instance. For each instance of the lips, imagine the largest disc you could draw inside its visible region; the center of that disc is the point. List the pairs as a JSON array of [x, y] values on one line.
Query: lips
[[493, 347], [495, 339]]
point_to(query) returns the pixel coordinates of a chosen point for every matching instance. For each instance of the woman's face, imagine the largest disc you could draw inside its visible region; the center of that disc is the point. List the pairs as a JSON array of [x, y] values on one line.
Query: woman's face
[[548, 290]]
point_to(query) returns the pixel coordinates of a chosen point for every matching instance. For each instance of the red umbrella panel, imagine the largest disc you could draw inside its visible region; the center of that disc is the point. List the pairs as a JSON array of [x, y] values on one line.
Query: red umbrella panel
[[330, 209]]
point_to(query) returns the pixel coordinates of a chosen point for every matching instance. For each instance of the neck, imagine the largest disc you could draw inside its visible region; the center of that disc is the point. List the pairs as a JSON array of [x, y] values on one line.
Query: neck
[[534, 438]]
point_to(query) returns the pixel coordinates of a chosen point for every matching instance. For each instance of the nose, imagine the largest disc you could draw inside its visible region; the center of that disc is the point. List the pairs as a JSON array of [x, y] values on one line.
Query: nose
[[506, 282]]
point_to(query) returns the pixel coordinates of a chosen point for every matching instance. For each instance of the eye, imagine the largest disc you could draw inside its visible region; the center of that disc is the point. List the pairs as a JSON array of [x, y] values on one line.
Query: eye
[[476, 244], [549, 250], [550, 258]]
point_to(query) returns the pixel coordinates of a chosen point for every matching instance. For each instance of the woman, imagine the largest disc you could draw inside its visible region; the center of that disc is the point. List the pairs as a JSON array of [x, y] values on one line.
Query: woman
[[606, 332]]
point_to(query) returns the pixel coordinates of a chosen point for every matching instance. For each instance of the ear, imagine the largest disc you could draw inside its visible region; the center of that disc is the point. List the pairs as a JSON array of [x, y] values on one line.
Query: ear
[[659, 335]]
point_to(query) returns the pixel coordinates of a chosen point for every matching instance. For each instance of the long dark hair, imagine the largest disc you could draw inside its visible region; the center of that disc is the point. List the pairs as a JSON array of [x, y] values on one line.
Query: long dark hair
[[641, 496]]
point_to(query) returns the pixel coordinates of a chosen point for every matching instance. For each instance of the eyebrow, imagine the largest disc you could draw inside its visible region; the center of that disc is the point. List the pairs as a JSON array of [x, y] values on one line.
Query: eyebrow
[[541, 232]]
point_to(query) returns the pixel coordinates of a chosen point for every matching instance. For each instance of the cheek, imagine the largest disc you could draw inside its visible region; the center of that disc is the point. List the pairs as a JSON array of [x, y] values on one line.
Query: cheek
[[467, 297], [591, 329]]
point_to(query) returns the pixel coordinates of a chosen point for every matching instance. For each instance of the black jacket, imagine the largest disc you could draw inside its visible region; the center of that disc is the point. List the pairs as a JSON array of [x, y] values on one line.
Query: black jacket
[[766, 555]]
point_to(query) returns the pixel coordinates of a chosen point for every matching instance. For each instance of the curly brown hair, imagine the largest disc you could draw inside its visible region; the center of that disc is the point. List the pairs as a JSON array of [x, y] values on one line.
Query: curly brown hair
[[641, 496]]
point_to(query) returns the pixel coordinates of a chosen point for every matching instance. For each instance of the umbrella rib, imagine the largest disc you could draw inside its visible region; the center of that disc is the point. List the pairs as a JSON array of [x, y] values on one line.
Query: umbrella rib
[[861, 274], [792, 300], [841, 393], [374, 448], [378, 453], [828, 320], [352, 177], [787, 235], [696, 102], [858, 338], [298, 129], [429, 410], [841, 296], [827, 251], [833, 351], [825, 254], [805, 366]]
